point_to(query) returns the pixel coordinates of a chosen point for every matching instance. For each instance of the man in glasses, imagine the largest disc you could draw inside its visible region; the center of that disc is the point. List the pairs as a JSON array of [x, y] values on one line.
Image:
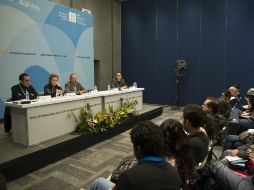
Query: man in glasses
[[18, 91], [74, 86]]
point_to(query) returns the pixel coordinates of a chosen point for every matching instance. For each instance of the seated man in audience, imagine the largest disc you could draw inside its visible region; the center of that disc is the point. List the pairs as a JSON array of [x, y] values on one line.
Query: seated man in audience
[[224, 104], [18, 91], [118, 82], [244, 118], [211, 107], [235, 95], [152, 172], [53, 88], [248, 115], [74, 86], [194, 119], [226, 95]]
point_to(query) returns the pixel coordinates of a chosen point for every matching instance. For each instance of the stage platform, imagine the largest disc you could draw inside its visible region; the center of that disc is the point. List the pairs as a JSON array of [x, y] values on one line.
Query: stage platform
[[17, 160]]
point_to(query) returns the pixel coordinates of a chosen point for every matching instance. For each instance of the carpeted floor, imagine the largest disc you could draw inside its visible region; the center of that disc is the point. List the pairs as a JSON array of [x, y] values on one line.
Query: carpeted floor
[[78, 170]]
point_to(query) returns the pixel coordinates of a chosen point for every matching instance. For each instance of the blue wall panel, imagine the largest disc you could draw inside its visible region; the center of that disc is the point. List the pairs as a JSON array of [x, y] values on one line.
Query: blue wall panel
[[138, 50], [189, 48], [212, 55], [240, 43], [165, 49], [214, 36]]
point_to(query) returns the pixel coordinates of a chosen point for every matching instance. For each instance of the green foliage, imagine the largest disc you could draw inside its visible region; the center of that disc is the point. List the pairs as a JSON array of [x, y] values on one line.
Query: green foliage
[[101, 121]]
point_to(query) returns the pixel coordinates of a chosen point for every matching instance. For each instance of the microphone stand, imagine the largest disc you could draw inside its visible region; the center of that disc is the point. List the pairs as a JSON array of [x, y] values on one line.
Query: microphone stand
[[176, 101]]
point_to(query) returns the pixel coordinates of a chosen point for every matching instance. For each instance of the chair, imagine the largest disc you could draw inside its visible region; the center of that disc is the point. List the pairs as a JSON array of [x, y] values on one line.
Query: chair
[[7, 117]]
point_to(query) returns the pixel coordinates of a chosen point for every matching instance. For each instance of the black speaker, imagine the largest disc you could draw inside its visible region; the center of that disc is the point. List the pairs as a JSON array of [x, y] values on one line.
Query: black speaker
[[181, 68]]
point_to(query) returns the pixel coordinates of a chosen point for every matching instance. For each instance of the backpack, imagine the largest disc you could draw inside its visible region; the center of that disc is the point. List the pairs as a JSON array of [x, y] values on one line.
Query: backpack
[[124, 165]]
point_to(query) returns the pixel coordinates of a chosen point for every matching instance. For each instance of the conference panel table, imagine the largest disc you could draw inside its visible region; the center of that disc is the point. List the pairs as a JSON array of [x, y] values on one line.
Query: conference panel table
[[47, 118]]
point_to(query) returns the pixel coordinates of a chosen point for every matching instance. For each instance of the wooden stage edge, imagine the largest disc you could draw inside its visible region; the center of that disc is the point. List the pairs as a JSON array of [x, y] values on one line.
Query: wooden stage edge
[[17, 167]]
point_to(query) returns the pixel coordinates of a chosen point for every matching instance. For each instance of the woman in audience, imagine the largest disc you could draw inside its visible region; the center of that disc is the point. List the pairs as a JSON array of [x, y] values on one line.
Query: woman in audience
[[178, 150], [53, 88]]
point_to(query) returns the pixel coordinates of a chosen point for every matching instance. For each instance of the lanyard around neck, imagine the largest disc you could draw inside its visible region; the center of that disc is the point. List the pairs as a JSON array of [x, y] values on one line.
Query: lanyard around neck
[[153, 159], [22, 89]]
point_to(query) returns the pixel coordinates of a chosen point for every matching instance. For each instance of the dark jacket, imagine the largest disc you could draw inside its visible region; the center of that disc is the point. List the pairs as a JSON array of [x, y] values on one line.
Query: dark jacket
[[149, 176], [118, 84], [50, 90], [18, 92]]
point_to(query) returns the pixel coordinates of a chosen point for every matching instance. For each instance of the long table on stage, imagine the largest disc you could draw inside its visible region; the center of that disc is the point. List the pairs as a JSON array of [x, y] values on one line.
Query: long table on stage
[[42, 120]]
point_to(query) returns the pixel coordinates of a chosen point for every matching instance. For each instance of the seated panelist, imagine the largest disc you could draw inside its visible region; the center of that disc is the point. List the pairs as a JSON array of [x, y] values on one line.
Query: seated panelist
[[18, 91], [118, 82], [74, 86], [53, 88]]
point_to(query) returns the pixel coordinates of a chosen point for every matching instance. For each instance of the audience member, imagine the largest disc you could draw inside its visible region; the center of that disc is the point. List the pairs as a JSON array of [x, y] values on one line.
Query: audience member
[[118, 82], [193, 120], [235, 95], [152, 171], [53, 88], [211, 105], [74, 86], [215, 120], [219, 177], [226, 95], [224, 108], [245, 118], [177, 149], [235, 141]]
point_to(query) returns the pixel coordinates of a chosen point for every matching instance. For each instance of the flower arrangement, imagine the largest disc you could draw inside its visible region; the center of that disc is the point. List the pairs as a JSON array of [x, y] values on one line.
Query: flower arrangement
[[101, 121]]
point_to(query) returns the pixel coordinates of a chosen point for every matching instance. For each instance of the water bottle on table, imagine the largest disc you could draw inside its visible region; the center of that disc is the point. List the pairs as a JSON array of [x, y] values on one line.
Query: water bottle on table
[[95, 89], [135, 85], [27, 95]]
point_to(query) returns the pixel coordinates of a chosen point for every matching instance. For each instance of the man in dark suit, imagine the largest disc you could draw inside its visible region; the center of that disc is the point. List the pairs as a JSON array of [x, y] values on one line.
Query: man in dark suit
[[18, 91]]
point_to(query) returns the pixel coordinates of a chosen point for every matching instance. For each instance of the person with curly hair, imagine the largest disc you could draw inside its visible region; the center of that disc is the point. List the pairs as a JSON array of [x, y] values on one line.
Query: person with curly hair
[[178, 150]]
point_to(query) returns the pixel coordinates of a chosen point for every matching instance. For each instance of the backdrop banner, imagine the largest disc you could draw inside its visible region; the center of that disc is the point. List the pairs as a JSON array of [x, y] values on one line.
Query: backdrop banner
[[40, 37]]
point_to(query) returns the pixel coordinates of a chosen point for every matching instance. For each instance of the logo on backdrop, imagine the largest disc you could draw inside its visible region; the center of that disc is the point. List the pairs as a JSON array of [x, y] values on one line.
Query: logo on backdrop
[[72, 17]]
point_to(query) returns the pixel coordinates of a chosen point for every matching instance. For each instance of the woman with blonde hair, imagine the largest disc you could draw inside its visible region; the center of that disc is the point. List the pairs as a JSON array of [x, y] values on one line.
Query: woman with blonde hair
[[53, 88]]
